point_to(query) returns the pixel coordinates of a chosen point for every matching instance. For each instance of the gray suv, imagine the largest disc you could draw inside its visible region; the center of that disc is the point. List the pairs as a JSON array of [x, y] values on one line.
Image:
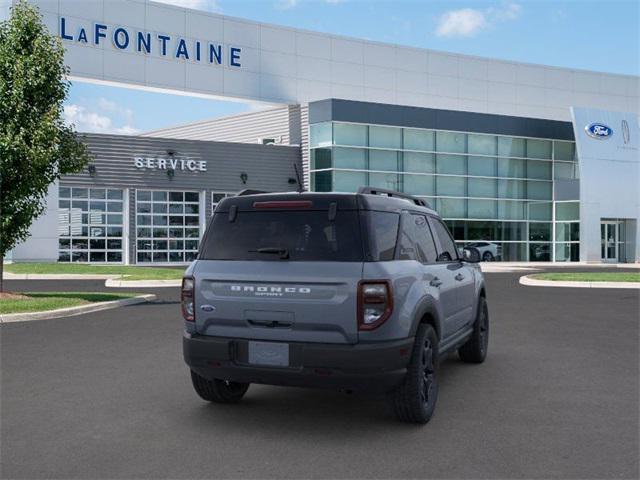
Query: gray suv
[[362, 291]]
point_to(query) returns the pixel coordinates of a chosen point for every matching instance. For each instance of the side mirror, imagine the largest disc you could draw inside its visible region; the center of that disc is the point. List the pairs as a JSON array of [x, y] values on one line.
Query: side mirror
[[471, 254]]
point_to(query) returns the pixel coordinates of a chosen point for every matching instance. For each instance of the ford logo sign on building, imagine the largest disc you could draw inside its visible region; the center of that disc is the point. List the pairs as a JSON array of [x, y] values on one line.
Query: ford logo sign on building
[[599, 131]]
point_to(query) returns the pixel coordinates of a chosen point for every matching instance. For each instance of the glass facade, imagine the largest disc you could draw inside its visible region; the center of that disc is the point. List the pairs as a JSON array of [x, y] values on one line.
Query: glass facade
[[90, 225], [167, 226], [567, 231], [492, 189]]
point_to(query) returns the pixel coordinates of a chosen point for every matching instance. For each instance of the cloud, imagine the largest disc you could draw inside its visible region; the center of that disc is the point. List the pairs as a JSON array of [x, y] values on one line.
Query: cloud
[[508, 11], [86, 120], [467, 22], [110, 106], [208, 5], [461, 23], [286, 4]]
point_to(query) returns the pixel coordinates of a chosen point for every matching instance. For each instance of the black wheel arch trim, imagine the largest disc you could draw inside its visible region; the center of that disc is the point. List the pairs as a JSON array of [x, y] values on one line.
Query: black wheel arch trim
[[482, 293], [424, 308], [482, 290]]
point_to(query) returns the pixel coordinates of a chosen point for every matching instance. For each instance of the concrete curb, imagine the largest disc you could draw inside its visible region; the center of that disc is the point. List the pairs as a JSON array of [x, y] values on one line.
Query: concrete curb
[[117, 283], [114, 281], [562, 265], [56, 276], [491, 268], [533, 282], [71, 311]]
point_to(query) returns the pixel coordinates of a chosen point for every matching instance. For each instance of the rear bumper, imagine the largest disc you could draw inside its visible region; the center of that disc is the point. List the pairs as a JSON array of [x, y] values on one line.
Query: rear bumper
[[377, 367]]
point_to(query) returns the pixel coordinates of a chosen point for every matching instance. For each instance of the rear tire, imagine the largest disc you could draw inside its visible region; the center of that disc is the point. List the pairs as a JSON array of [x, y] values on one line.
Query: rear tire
[[414, 401], [218, 391], [475, 349], [488, 257]]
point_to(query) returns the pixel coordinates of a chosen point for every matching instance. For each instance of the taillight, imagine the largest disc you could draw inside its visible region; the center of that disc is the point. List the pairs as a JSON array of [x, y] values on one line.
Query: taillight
[[186, 297], [375, 303]]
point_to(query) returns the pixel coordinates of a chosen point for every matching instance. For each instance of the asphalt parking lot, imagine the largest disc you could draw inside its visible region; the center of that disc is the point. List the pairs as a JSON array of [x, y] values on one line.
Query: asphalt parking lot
[[106, 395]]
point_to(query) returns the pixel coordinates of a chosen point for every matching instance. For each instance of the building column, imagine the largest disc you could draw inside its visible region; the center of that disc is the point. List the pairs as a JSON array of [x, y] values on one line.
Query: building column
[[634, 233], [131, 226], [126, 233], [590, 247], [202, 209]]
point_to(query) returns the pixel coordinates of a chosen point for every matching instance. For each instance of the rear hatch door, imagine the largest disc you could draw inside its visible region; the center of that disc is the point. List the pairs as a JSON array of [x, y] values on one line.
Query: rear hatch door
[[272, 270], [296, 301]]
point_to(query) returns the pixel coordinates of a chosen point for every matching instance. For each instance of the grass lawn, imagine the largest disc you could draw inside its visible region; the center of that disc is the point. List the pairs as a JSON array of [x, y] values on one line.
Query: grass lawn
[[128, 272], [590, 276], [42, 301]]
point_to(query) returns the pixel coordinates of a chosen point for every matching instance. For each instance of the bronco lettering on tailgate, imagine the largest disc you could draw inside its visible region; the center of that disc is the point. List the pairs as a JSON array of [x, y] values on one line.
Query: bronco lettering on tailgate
[[272, 291]]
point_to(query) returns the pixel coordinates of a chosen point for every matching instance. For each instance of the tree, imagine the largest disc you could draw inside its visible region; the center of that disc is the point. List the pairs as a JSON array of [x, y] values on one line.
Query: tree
[[36, 147]]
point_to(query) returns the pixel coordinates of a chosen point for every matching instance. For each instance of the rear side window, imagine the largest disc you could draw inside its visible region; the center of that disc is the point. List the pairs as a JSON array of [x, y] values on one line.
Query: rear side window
[[383, 233], [447, 251], [416, 242], [284, 235], [426, 240]]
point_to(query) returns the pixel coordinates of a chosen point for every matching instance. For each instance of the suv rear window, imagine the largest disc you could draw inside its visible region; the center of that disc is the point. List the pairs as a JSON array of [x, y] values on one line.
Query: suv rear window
[[284, 235]]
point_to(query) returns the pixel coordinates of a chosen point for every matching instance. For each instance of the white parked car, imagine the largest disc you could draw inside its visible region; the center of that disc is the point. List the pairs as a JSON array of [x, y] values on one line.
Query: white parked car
[[489, 251]]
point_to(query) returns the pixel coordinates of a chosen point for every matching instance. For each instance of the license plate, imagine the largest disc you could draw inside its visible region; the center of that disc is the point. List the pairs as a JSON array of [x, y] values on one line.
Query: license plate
[[269, 353]]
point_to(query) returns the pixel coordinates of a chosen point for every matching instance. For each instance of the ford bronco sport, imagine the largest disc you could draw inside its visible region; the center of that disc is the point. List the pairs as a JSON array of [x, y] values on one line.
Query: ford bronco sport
[[363, 291]]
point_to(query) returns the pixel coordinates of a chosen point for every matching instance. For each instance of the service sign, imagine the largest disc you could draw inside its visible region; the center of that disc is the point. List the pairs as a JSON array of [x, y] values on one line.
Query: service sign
[[171, 163]]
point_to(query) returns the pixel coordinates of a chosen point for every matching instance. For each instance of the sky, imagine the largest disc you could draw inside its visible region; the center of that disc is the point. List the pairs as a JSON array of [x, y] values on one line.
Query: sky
[[600, 35]]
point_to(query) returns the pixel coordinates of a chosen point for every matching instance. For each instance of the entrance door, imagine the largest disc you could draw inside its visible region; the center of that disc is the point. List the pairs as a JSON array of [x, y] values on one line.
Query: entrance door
[[609, 241]]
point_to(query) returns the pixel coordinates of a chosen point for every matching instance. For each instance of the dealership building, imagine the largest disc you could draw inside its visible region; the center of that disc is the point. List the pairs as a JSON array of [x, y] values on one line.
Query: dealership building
[[532, 162]]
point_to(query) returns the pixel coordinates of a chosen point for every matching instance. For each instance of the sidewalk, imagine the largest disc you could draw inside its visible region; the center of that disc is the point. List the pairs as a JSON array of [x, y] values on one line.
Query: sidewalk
[[497, 267], [534, 282]]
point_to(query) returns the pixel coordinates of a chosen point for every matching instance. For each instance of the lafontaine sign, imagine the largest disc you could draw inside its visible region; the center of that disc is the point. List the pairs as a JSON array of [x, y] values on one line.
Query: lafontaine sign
[[162, 45], [171, 163]]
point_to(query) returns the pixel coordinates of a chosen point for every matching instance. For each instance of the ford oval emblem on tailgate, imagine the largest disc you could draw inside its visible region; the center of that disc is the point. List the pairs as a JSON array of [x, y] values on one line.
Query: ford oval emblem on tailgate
[[208, 308]]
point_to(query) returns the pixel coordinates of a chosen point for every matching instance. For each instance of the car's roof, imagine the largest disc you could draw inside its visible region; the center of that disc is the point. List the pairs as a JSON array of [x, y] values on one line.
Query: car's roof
[[322, 200]]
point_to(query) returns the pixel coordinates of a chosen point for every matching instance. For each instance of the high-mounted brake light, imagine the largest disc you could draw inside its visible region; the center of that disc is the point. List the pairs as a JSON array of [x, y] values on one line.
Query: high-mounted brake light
[[375, 303], [284, 204], [186, 299]]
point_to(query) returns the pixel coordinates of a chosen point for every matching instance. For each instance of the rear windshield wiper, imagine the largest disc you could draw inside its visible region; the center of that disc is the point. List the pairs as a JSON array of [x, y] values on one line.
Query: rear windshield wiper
[[283, 252]]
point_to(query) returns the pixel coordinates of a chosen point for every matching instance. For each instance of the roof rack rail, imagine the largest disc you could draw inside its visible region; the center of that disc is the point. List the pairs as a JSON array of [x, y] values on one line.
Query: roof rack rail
[[394, 194], [249, 191]]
